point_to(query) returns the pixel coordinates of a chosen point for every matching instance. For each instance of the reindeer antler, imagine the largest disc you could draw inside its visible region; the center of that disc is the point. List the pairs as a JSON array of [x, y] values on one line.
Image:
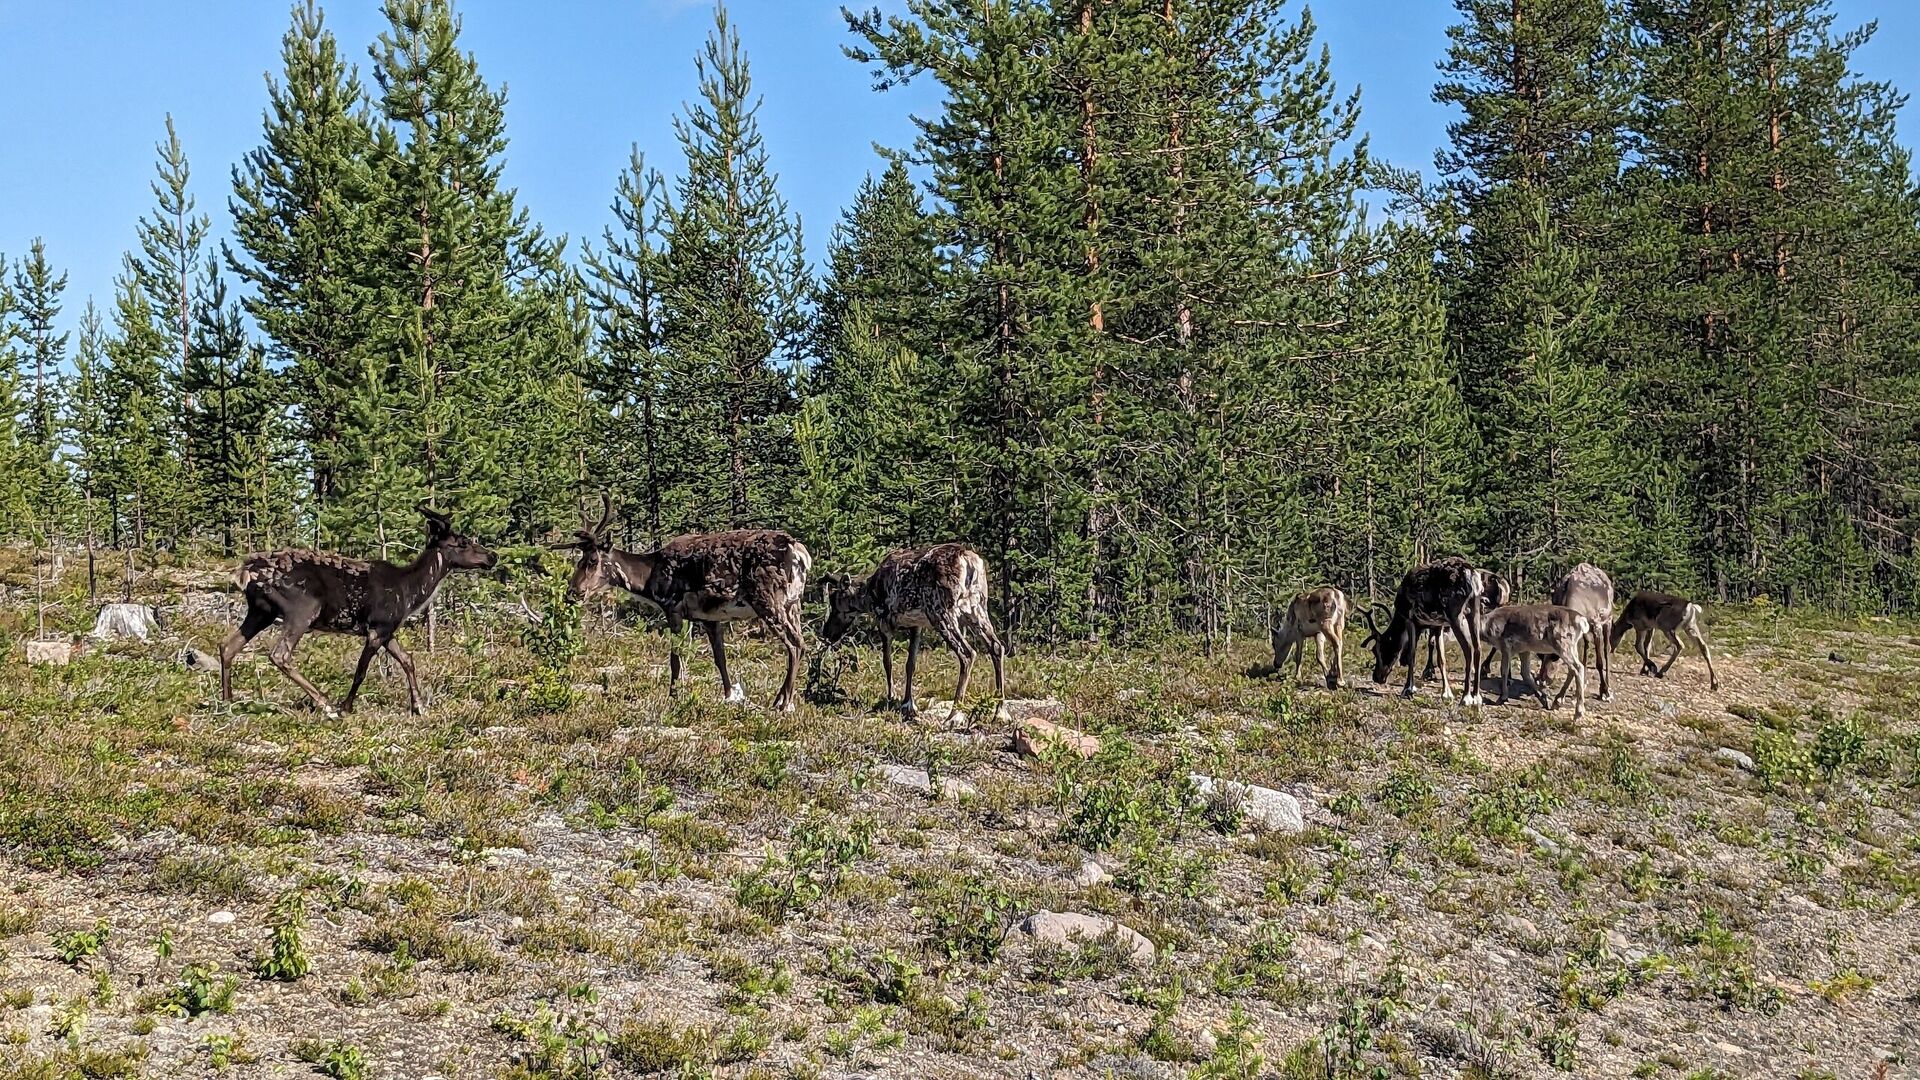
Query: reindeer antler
[[598, 529], [435, 516]]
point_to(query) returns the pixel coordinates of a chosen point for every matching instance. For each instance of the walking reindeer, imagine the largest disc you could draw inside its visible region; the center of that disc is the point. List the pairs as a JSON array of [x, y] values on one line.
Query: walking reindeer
[[332, 594], [942, 588], [710, 579]]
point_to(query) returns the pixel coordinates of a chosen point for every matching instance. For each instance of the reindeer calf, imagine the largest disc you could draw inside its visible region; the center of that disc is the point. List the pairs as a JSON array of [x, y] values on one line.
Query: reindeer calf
[[942, 588], [1320, 614], [1673, 616], [1544, 630]]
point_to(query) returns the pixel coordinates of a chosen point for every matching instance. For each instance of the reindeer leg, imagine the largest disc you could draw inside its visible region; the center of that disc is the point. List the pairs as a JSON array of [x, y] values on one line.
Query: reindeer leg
[[1339, 656], [949, 629], [1699, 638], [886, 664], [913, 657], [1446, 681], [372, 645], [281, 654], [674, 627], [1433, 655], [717, 640], [1602, 632], [256, 620], [414, 703], [1643, 644], [788, 627], [995, 651], [1672, 656]]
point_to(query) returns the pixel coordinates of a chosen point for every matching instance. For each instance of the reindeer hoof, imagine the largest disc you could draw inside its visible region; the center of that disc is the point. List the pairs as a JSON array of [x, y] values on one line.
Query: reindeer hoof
[[1472, 701]]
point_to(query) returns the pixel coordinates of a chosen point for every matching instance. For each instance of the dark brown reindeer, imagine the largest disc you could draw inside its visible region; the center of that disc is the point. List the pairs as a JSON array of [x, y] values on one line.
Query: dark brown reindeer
[[1320, 614], [1673, 616], [942, 588], [1494, 593], [1439, 595], [311, 590], [1588, 590], [707, 578]]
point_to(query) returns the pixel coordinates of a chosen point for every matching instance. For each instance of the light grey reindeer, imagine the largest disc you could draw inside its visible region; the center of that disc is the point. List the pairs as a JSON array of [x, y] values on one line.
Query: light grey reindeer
[[1320, 614], [1545, 630]]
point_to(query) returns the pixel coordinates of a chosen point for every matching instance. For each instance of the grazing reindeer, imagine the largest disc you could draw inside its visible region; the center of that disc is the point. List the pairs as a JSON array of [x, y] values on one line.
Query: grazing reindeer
[[708, 578], [309, 590], [1494, 592], [1672, 616], [942, 588], [1444, 594], [1320, 614], [1588, 590], [1547, 631]]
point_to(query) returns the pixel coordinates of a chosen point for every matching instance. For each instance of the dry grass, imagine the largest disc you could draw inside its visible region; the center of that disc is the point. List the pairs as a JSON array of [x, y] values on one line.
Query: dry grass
[[630, 884]]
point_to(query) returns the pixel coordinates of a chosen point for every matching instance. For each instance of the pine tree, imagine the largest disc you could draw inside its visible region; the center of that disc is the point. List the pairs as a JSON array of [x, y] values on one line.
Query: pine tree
[[40, 356], [140, 474], [731, 288], [301, 218], [627, 376], [234, 420], [171, 237], [466, 281], [1764, 185], [16, 458], [86, 428]]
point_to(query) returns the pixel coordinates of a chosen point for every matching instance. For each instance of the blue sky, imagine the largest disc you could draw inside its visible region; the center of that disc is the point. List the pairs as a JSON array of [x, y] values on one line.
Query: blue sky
[[89, 83]]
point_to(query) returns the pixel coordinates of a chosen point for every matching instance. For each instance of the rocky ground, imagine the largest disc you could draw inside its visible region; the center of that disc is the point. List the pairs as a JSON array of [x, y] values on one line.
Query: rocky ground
[[583, 876]]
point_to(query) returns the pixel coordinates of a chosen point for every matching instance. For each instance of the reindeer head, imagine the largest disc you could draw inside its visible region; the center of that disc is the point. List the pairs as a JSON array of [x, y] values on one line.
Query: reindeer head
[[1385, 645], [846, 602], [461, 551], [595, 571]]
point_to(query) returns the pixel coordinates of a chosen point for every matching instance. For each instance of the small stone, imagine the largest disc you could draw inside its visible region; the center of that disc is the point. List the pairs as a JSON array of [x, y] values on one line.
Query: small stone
[[1729, 1048], [919, 780], [1734, 757], [1667, 709], [737, 694], [1063, 928], [1090, 874], [1033, 736], [1265, 808], [50, 653], [1834, 657], [1540, 840], [194, 660], [220, 918]]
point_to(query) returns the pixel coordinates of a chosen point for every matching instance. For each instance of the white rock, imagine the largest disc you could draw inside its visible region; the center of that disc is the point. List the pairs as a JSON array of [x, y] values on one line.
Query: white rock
[[1734, 757], [220, 918], [1265, 808], [53, 653], [194, 660], [1090, 874], [1065, 928], [918, 779], [125, 621], [1540, 840]]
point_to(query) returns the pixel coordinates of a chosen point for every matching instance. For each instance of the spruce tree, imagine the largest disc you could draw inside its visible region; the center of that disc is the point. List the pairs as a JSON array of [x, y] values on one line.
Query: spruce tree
[[140, 474], [731, 288], [39, 356], [301, 221], [171, 237]]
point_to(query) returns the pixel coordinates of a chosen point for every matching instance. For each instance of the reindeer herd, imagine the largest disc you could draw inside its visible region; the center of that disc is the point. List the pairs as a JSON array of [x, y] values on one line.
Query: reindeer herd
[[713, 579]]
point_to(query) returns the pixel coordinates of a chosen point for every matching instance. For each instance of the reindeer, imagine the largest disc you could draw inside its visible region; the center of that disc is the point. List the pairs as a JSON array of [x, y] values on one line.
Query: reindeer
[[942, 588], [1444, 594], [1494, 592], [1543, 630], [310, 590], [1588, 590], [1671, 615], [1320, 614], [708, 578]]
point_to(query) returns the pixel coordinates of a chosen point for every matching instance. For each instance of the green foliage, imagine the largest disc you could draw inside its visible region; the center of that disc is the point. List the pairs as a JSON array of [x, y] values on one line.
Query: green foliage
[[338, 1059], [968, 919], [817, 854], [1118, 793], [200, 990], [73, 946], [286, 957]]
